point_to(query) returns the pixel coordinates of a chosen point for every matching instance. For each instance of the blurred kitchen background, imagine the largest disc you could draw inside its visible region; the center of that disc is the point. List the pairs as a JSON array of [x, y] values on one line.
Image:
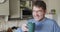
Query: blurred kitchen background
[[16, 12]]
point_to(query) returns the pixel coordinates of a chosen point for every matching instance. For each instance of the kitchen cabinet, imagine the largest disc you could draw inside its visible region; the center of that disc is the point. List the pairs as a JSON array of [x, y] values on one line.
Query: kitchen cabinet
[[4, 9], [14, 8]]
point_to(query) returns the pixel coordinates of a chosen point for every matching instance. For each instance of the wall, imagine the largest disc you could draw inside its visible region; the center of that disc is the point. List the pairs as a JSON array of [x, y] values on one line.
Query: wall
[[58, 11]]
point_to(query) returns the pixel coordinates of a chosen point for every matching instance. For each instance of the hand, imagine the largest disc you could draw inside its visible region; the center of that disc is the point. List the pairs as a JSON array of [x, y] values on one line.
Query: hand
[[24, 28]]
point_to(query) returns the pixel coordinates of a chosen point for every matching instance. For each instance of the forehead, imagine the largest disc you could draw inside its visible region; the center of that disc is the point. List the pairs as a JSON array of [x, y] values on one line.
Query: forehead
[[37, 8]]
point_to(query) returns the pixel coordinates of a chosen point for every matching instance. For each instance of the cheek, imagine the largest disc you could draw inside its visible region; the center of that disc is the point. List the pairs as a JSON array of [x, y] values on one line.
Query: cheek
[[33, 13], [40, 14]]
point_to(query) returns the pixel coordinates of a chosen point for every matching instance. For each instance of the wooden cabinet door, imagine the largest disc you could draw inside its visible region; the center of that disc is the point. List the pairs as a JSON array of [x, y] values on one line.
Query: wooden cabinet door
[[14, 8]]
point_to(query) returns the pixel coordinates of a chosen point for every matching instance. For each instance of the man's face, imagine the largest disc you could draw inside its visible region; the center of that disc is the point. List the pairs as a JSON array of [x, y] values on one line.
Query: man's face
[[38, 13]]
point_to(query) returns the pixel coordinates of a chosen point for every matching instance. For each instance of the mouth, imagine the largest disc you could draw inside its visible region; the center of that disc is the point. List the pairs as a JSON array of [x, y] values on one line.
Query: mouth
[[37, 16]]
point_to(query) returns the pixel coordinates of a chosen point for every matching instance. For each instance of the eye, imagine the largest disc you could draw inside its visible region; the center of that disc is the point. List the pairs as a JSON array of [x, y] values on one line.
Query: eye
[[40, 10]]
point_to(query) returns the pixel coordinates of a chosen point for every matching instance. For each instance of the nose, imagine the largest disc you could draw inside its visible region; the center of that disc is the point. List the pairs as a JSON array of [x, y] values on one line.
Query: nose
[[36, 14]]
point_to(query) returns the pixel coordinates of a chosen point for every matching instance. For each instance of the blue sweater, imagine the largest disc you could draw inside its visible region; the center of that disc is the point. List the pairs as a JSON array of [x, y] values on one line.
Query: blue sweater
[[45, 25]]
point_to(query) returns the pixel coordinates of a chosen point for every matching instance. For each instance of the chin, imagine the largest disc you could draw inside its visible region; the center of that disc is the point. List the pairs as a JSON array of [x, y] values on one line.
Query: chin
[[36, 19]]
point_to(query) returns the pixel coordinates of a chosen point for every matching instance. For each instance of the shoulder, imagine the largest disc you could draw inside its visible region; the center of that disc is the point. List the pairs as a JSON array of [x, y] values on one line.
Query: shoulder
[[50, 21]]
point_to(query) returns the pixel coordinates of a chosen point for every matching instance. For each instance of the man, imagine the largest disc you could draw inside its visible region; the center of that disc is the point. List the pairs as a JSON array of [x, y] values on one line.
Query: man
[[42, 24]]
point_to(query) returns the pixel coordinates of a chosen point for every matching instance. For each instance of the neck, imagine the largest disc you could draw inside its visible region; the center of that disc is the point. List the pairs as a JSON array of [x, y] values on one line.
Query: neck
[[41, 19]]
